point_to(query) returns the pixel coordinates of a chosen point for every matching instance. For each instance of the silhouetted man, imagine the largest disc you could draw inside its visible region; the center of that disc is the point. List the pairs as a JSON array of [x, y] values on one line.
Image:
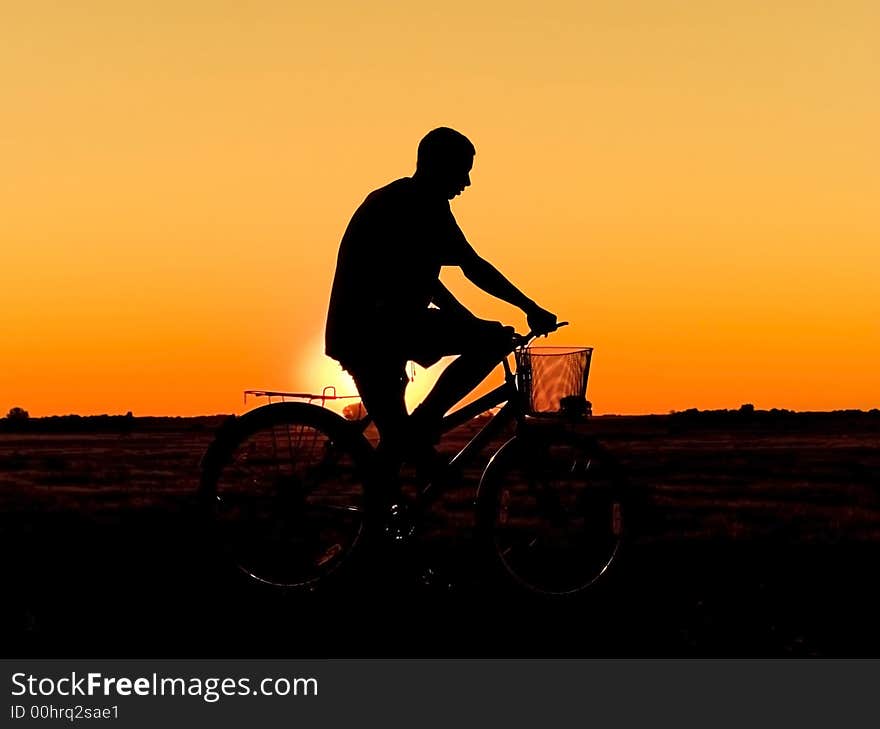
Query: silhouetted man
[[388, 306]]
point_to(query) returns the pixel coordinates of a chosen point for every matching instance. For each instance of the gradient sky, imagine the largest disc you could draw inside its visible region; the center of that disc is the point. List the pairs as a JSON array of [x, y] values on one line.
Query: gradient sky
[[694, 186]]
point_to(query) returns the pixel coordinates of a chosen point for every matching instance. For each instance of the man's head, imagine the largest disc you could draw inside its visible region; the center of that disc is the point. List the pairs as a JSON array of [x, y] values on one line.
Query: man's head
[[445, 159]]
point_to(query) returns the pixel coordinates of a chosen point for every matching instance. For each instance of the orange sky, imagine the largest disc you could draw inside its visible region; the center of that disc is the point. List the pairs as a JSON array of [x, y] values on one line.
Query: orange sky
[[693, 185]]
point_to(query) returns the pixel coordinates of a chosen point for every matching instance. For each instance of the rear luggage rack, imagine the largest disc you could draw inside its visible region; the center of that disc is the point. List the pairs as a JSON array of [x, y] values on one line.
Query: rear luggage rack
[[328, 393]]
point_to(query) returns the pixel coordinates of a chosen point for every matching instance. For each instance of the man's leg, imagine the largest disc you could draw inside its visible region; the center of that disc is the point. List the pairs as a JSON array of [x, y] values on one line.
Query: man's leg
[[382, 387], [482, 348]]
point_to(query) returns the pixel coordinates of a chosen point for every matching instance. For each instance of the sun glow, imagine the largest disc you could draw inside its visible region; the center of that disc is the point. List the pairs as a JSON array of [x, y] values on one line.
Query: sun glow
[[316, 373]]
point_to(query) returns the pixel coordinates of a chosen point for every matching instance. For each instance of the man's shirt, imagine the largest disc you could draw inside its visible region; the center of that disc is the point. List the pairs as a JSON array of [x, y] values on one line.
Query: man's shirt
[[388, 264]]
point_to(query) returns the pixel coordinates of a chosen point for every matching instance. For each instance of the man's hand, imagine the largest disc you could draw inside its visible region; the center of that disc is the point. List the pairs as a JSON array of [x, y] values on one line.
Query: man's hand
[[540, 320]]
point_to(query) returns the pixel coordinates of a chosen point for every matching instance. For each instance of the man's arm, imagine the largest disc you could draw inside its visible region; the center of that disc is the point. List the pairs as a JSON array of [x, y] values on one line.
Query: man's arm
[[483, 274]]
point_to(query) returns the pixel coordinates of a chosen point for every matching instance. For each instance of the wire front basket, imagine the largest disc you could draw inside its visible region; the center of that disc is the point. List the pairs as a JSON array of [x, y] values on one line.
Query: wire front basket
[[553, 380]]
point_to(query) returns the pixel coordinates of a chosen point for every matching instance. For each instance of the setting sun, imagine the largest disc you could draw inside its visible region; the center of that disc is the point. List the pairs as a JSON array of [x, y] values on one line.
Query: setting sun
[[318, 373]]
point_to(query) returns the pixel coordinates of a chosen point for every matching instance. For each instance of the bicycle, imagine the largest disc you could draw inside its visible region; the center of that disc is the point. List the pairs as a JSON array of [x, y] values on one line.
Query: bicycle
[[290, 491]]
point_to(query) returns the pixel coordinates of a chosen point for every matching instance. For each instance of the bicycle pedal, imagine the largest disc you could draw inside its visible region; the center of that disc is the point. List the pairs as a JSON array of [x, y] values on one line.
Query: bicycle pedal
[[434, 580], [399, 535], [400, 525]]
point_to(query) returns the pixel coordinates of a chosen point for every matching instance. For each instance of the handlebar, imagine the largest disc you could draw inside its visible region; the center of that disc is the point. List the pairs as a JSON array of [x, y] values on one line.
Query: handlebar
[[521, 340]]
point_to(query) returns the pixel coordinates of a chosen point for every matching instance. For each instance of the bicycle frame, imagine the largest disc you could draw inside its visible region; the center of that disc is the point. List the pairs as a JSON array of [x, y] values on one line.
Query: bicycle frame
[[506, 393], [513, 409]]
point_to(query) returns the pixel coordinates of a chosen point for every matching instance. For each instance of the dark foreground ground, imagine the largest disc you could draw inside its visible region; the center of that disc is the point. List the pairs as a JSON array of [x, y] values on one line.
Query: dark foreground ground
[[762, 539]]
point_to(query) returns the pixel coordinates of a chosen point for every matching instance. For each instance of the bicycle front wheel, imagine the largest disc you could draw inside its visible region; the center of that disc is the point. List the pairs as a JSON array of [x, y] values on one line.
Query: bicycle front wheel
[[550, 513], [284, 490]]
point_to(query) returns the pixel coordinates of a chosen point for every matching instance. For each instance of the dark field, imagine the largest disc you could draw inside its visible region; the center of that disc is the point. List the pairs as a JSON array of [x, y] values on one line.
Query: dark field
[[761, 537]]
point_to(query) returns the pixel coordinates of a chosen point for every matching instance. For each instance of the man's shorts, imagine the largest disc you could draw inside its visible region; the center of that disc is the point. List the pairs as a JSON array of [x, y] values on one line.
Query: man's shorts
[[436, 334], [441, 335]]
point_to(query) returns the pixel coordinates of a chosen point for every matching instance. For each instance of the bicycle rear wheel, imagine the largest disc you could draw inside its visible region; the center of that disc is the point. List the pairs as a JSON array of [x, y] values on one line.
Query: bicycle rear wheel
[[550, 513], [284, 490]]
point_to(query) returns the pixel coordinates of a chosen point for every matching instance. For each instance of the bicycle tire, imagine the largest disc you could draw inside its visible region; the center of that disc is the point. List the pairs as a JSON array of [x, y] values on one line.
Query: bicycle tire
[[284, 492], [550, 514]]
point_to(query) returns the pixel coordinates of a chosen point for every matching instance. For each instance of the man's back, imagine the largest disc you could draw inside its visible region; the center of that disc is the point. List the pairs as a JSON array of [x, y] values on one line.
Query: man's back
[[389, 260]]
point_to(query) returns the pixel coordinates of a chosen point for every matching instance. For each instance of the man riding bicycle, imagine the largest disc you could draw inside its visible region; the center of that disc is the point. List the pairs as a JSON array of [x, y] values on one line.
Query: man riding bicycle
[[388, 306]]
